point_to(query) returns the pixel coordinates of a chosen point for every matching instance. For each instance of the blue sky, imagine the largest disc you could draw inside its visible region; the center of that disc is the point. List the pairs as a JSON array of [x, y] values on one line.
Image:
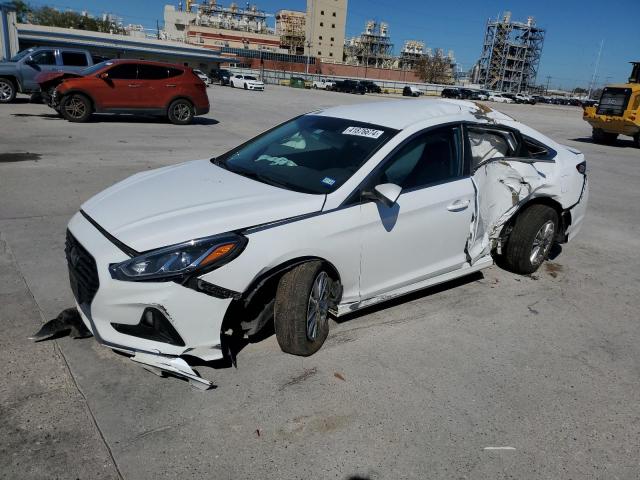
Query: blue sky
[[575, 28]]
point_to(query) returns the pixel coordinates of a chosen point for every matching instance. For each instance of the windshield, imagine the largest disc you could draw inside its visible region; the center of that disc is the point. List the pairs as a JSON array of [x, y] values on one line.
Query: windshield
[[249, 77], [21, 54], [310, 154], [94, 68]]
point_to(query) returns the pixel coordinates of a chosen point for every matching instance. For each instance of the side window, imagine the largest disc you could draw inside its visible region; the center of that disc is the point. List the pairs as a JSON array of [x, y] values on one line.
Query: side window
[[152, 72], [489, 144], [432, 157], [174, 72], [45, 57], [74, 59], [124, 71]]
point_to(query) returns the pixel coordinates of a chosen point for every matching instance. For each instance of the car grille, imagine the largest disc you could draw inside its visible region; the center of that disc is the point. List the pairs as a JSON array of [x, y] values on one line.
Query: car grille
[[83, 273]]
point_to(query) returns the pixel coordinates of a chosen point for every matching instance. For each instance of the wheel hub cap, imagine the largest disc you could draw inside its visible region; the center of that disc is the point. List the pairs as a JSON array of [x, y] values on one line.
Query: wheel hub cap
[[318, 307], [542, 243], [5, 91], [181, 111], [75, 108]]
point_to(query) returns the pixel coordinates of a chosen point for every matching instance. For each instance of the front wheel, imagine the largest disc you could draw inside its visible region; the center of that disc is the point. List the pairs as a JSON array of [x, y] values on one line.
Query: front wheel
[[531, 239], [180, 112], [76, 108], [301, 309], [7, 90], [636, 140], [245, 87]]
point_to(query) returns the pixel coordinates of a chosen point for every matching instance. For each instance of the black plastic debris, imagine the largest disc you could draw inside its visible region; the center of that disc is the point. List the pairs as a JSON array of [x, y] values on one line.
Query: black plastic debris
[[68, 322]]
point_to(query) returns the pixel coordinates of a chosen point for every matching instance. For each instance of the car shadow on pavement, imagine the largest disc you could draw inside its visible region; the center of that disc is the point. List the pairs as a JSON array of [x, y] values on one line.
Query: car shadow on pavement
[[620, 142], [112, 118], [48, 116]]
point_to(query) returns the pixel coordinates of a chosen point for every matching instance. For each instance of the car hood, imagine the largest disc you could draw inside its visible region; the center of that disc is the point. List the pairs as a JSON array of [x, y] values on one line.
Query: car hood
[[50, 78], [254, 82], [8, 67], [191, 200]]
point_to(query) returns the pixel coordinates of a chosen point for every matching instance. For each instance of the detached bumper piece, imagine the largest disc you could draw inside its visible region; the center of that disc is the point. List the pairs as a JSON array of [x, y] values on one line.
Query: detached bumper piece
[[161, 365]]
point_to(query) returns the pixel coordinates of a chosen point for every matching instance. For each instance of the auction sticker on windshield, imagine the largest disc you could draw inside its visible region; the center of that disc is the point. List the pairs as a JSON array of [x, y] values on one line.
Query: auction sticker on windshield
[[363, 132]]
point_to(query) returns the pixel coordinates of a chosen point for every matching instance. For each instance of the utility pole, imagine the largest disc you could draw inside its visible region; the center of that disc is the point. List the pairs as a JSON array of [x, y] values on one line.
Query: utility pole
[[595, 70], [546, 92], [306, 69]]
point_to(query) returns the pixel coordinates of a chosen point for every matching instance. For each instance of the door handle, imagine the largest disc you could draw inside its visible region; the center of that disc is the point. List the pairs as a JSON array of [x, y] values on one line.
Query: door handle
[[134, 85], [458, 205], [170, 85]]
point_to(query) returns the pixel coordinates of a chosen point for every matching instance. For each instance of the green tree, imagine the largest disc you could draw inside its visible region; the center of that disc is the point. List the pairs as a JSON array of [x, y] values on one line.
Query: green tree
[[22, 10], [68, 19]]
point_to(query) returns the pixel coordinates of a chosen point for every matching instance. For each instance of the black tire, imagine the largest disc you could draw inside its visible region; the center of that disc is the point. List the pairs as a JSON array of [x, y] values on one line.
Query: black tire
[[530, 223], [76, 108], [181, 112], [636, 140], [606, 138], [291, 310], [7, 90], [245, 87]]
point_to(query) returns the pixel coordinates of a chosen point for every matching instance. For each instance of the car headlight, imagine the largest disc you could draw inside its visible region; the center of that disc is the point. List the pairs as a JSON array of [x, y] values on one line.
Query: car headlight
[[178, 262]]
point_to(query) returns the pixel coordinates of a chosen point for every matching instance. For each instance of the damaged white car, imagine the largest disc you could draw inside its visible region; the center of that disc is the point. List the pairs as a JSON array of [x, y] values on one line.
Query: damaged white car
[[323, 215]]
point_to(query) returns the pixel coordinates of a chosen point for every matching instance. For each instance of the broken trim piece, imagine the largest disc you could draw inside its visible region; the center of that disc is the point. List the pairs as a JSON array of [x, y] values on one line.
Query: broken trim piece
[[160, 364]]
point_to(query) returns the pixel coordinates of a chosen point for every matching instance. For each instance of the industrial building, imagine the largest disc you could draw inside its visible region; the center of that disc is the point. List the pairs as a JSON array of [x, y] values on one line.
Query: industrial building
[[510, 55], [325, 29], [290, 27], [372, 48]]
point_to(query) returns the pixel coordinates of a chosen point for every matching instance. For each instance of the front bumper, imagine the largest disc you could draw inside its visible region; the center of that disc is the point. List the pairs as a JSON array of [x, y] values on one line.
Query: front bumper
[[259, 88], [195, 316]]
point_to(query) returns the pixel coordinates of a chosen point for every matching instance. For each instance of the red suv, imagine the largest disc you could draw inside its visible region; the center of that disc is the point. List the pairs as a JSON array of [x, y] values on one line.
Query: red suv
[[129, 86]]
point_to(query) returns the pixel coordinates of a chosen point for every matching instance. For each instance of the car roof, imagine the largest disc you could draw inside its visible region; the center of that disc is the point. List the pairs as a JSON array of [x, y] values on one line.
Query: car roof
[[146, 62], [399, 114]]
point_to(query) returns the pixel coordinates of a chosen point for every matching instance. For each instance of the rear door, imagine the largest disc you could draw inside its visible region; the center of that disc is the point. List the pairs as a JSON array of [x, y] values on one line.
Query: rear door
[[73, 61], [155, 88]]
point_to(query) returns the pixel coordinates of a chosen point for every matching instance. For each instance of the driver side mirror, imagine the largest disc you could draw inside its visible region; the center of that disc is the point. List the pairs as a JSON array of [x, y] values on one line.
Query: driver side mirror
[[104, 76], [29, 61], [387, 193]]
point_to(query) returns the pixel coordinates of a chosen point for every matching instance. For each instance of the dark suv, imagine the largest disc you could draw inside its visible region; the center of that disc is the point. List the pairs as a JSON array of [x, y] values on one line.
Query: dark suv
[[370, 87], [349, 86], [450, 93]]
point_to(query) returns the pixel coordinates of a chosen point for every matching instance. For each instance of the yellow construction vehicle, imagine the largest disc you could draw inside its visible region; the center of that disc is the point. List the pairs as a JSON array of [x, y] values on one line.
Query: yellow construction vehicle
[[618, 112]]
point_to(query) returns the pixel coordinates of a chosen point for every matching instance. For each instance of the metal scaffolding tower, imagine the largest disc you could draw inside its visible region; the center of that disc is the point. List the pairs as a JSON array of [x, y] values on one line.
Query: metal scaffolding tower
[[290, 27], [511, 54], [372, 48]]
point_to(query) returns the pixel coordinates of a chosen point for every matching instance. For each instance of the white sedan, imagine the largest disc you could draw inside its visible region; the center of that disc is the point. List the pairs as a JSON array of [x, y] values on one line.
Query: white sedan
[[203, 76], [248, 82], [328, 213], [498, 97]]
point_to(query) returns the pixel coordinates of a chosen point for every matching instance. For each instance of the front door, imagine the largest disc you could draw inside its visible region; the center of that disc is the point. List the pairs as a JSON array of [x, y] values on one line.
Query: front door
[[424, 233], [121, 89], [39, 62]]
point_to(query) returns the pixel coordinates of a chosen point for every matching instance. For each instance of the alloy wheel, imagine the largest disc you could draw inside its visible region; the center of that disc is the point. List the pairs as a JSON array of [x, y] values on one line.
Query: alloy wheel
[[75, 107], [318, 307], [181, 111], [5, 91], [542, 243]]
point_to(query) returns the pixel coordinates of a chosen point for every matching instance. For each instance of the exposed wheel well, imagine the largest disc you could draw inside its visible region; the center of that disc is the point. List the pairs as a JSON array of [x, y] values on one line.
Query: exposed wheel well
[[247, 314], [14, 80], [564, 217]]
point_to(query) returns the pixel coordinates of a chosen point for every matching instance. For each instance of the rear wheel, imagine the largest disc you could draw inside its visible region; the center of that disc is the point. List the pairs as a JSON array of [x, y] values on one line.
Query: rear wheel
[[636, 140], [7, 90], [180, 112], [600, 136], [301, 310], [76, 108], [531, 239]]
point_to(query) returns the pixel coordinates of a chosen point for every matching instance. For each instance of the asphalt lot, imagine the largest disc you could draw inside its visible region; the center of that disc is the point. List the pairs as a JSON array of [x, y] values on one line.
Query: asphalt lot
[[417, 388]]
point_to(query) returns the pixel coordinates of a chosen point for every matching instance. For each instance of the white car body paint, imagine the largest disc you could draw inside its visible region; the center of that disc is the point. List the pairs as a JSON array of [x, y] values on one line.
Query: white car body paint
[[240, 81], [497, 97], [378, 251], [323, 84]]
